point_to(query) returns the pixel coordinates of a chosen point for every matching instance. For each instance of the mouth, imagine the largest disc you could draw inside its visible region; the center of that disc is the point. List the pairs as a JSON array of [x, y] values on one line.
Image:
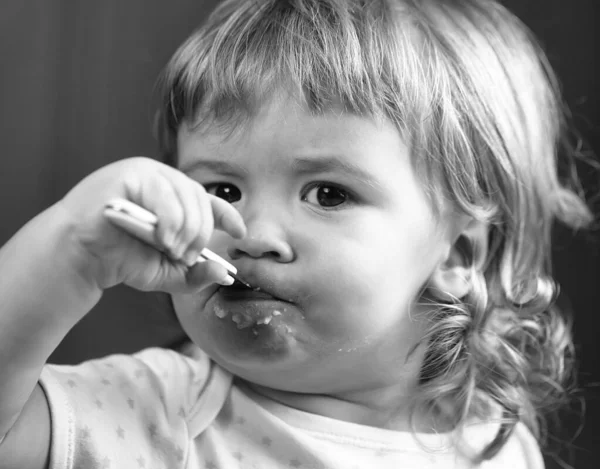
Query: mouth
[[241, 291], [251, 307]]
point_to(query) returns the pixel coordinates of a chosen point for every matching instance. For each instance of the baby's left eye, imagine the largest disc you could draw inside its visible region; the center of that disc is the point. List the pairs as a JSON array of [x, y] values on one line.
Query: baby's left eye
[[326, 195]]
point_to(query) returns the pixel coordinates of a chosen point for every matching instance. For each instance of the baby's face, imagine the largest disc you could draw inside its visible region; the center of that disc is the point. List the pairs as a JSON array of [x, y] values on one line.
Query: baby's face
[[341, 239]]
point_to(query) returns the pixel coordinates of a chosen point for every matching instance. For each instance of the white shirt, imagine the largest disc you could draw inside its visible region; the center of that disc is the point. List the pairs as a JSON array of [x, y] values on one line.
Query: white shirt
[[164, 409]]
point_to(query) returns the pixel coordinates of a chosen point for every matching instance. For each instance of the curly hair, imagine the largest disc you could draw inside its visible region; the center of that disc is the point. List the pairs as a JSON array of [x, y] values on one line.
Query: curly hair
[[471, 91]]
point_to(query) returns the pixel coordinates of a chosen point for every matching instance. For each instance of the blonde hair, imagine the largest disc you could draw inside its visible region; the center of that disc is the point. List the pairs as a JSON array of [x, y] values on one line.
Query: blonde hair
[[471, 91]]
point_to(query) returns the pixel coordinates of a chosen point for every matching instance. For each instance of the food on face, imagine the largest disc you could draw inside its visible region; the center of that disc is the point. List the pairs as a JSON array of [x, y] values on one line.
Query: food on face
[[251, 317], [242, 320], [265, 320], [220, 312]]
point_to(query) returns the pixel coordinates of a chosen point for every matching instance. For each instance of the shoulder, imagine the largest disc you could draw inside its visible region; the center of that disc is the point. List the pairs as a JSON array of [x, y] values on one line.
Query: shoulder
[[188, 363], [154, 376], [130, 409], [521, 451]]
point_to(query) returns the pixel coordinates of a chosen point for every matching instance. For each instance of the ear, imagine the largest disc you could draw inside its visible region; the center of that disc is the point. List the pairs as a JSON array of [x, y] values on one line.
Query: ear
[[452, 277]]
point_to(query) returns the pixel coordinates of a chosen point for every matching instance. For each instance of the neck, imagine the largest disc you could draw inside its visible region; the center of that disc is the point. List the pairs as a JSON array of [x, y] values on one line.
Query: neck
[[388, 405], [377, 408]]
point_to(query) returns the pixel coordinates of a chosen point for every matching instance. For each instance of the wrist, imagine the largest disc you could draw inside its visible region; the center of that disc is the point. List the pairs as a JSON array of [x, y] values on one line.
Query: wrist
[[70, 255], [44, 292], [49, 271]]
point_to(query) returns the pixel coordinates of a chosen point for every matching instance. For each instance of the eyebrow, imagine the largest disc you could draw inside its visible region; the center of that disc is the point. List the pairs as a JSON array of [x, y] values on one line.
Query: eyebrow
[[327, 164], [222, 167], [333, 164]]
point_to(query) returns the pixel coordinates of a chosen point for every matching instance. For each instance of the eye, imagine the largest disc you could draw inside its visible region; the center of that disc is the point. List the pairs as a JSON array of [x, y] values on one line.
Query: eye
[[225, 191], [326, 195]]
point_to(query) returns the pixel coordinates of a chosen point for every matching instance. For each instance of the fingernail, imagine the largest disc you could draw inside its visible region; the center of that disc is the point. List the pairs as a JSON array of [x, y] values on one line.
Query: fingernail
[[226, 281]]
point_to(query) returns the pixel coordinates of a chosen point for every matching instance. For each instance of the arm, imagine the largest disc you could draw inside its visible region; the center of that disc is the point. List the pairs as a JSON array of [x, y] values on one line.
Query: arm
[[54, 270], [42, 296]]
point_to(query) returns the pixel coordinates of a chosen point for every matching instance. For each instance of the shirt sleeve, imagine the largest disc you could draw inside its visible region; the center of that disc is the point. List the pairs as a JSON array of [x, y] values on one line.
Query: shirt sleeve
[[125, 410]]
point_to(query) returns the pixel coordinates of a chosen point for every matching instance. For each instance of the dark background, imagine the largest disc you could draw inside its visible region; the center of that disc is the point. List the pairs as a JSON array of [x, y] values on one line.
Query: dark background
[[77, 91]]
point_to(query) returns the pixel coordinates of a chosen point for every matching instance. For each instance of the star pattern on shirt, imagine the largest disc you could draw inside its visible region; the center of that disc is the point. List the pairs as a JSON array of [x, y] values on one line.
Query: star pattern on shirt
[[175, 451]]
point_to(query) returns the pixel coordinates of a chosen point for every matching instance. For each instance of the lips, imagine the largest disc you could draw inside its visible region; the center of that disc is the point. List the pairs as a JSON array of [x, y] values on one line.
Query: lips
[[263, 287], [251, 307], [251, 313], [234, 292]]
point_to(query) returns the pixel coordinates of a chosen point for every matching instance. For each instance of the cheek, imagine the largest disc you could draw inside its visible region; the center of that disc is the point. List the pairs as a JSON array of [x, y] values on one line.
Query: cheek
[[383, 248], [374, 277], [345, 295], [188, 309]]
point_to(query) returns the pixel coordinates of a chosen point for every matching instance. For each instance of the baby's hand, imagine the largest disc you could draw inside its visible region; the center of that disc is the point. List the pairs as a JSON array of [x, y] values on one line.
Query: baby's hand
[[187, 217]]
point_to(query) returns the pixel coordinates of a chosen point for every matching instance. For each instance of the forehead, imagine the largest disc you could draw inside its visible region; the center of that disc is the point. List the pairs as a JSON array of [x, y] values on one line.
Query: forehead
[[284, 127]]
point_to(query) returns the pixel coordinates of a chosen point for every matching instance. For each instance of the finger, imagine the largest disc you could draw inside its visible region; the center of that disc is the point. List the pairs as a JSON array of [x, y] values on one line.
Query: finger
[[207, 221], [160, 197], [175, 277], [207, 273], [197, 225], [227, 218]]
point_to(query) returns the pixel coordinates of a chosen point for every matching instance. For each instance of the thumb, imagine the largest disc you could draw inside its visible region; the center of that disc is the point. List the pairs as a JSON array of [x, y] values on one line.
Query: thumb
[[176, 277], [203, 274]]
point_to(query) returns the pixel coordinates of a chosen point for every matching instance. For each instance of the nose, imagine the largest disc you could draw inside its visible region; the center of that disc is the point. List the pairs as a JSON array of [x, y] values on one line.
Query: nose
[[265, 238]]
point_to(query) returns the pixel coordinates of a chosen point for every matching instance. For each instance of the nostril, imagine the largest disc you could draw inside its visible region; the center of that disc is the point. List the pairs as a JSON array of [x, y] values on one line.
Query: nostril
[[236, 253]]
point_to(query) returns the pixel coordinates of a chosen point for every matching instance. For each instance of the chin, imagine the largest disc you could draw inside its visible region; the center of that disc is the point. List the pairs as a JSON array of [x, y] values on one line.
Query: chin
[[250, 333]]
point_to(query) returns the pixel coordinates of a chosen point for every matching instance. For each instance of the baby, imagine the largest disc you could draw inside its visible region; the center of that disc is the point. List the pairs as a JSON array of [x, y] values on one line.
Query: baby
[[383, 171]]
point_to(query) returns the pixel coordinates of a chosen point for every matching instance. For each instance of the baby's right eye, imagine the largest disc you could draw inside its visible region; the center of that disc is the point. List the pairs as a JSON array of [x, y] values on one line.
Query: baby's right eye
[[225, 191]]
